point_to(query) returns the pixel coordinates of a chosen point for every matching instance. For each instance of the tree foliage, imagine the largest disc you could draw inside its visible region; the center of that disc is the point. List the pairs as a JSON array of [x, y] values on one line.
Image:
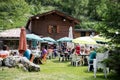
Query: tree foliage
[[109, 19], [13, 13], [101, 15]]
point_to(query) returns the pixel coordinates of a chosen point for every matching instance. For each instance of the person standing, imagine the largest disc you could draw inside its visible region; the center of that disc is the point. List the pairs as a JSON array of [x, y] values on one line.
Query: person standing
[[91, 57]]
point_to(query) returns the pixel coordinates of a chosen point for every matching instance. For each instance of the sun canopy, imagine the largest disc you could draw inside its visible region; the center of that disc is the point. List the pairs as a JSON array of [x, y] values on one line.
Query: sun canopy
[[100, 39], [84, 40], [65, 39], [33, 37], [48, 39]]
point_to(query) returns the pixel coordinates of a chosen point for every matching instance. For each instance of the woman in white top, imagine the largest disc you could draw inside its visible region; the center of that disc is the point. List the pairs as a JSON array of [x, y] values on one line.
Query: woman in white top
[[82, 51], [4, 53]]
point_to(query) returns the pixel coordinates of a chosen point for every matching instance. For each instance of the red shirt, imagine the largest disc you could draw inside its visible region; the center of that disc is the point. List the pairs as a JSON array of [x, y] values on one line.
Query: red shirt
[[78, 49]]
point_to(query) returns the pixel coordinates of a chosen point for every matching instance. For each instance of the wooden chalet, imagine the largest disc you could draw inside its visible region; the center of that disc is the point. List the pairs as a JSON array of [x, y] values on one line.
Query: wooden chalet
[[54, 24], [84, 32], [10, 37]]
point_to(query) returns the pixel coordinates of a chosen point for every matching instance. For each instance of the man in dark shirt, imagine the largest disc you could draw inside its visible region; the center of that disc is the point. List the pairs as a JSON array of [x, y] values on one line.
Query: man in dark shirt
[[91, 57]]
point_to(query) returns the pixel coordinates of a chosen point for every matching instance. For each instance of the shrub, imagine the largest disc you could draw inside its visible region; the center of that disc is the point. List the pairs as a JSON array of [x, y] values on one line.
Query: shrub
[[114, 59], [101, 49]]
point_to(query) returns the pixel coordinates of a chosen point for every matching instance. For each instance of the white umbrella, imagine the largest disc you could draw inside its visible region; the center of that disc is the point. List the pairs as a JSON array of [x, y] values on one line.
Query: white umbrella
[[100, 38], [84, 40], [70, 35]]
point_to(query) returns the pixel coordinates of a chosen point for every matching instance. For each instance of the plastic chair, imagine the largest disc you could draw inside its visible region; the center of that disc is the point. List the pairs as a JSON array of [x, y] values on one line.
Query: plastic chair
[[75, 60], [97, 63], [89, 64]]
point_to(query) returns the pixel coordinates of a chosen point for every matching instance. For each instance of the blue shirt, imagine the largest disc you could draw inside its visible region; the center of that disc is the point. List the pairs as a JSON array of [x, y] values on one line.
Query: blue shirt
[[27, 54]]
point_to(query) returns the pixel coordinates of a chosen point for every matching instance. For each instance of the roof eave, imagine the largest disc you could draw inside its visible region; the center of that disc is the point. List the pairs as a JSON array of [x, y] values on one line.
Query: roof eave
[[58, 13]]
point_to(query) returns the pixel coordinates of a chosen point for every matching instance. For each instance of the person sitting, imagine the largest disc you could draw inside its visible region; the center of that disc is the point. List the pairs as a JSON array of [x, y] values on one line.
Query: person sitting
[[77, 49], [27, 53], [82, 51], [50, 52], [4, 53], [69, 52], [44, 54], [66, 55]]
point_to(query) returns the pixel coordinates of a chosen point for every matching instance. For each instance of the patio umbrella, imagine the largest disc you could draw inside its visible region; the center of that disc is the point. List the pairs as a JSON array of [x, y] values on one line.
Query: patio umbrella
[[48, 39], [64, 39], [70, 35], [22, 41], [84, 40], [33, 37], [100, 39]]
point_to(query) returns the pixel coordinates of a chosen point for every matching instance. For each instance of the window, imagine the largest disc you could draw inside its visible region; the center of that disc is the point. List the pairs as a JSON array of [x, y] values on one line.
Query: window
[[90, 33], [83, 33], [53, 29]]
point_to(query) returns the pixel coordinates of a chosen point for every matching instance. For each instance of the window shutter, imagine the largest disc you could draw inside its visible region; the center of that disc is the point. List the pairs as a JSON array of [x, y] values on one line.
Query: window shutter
[[58, 29], [49, 29]]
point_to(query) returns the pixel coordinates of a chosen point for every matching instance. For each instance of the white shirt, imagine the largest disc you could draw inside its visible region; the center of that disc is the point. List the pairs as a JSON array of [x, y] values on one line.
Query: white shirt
[[82, 53], [4, 52]]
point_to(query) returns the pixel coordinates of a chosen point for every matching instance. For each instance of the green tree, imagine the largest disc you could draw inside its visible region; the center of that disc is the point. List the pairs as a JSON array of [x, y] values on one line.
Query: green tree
[[77, 9], [107, 19], [13, 13], [41, 6]]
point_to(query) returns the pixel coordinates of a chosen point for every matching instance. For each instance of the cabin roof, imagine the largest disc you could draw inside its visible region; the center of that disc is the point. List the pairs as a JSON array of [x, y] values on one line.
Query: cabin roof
[[62, 14], [84, 30], [11, 33]]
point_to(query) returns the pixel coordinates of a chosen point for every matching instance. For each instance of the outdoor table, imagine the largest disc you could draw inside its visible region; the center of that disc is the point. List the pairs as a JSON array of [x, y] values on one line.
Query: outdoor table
[[84, 59]]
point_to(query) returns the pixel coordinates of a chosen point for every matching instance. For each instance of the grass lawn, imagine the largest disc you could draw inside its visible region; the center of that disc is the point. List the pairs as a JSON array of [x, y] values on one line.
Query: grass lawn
[[52, 70]]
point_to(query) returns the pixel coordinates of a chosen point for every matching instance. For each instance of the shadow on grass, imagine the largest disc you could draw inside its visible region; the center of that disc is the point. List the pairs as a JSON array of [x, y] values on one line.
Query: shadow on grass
[[110, 76], [57, 61], [97, 78], [113, 76], [99, 74], [69, 65]]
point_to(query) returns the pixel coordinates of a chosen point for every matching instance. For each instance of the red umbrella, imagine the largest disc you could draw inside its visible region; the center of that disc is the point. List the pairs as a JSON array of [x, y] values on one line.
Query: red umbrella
[[22, 41]]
